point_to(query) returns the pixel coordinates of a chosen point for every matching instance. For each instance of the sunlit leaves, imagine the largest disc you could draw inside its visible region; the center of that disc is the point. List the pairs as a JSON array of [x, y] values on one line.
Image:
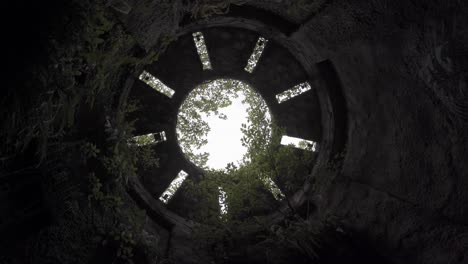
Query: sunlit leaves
[[293, 92], [156, 84], [173, 187], [222, 201], [257, 130], [266, 169], [206, 100], [299, 143], [148, 139], [256, 54], [274, 189], [202, 50]]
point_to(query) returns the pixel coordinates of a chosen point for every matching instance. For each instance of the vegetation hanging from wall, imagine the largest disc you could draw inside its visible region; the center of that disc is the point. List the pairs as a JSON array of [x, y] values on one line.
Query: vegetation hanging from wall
[[75, 133], [76, 128], [233, 203]]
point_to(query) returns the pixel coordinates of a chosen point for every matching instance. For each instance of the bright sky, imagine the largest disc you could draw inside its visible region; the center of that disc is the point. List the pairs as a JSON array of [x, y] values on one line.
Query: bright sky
[[224, 139]]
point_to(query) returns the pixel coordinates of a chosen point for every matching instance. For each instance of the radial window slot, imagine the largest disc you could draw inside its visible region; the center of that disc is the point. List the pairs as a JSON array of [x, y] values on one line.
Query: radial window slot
[[156, 84], [202, 50], [152, 138], [222, 201], [299, 143], [274, 189], [173, 187], [256, 54], [293, 92]]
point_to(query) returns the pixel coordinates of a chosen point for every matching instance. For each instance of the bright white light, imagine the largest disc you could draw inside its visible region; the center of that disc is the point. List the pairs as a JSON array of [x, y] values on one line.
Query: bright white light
[[293, 92], [202, 50], [224, 139], [222, 201], [274, 189], [152, 138], [256, 54], [156, 84], [173, 187], [299, 143], [212, 119]]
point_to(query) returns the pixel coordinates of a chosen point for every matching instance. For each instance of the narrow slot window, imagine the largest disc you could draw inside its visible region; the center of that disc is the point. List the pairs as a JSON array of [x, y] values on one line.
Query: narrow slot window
[[152, 138], [202, 50], [156, 84], [299, 143], [222, 201], [274, 189], [256, 54], [173, 187], [293, 92]]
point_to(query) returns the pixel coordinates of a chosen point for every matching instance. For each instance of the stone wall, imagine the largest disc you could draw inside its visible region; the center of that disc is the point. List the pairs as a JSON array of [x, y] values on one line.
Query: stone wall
[[404, 176]]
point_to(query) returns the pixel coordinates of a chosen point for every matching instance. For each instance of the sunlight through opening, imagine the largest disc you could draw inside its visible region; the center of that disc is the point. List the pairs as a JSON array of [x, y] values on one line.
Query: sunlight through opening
[[156, 84], [211, 122], [256, 54], [173, 187], [299, 143], [152, 138], [293, 92], [274, 189], [200, 44], [222, 201]]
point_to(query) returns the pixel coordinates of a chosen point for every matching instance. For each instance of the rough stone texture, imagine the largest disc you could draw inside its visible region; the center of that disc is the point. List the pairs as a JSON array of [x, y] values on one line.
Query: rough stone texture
[[149, 20], [404, 176], [402, 66], [171, 231], [229, 50], [293, 10]]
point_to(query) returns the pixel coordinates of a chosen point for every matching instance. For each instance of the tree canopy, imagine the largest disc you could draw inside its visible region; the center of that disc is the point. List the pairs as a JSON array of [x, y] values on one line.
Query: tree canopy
[[250, 186], [209, 99]]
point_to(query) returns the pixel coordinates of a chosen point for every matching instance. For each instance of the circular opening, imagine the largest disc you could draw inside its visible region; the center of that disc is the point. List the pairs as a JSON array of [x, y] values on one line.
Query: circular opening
[[215, 121]]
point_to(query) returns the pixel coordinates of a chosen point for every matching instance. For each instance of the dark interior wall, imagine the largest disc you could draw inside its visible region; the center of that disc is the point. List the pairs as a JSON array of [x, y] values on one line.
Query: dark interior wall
[[403, 71], [402, 66]]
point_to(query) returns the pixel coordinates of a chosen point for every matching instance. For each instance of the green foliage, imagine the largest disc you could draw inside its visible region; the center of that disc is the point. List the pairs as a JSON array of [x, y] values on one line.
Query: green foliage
[[293, 92], [98, 195], [294, 236], [124, 239], [257, 132], [81, 77], [299, 235], [205, 100], [89, 150], [156, 84], [249, 196], [247, 185], [109, 218], [83, 69]]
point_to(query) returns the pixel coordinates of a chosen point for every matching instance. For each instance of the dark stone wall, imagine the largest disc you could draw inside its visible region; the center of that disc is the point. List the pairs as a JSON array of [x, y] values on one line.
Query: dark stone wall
[[404, 176], [229, 49], [402, 67]]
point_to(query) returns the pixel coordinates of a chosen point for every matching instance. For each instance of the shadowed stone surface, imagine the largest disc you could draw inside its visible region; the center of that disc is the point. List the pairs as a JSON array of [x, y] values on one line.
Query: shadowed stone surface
[[229, 49], [401, 181], [404, 175]]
